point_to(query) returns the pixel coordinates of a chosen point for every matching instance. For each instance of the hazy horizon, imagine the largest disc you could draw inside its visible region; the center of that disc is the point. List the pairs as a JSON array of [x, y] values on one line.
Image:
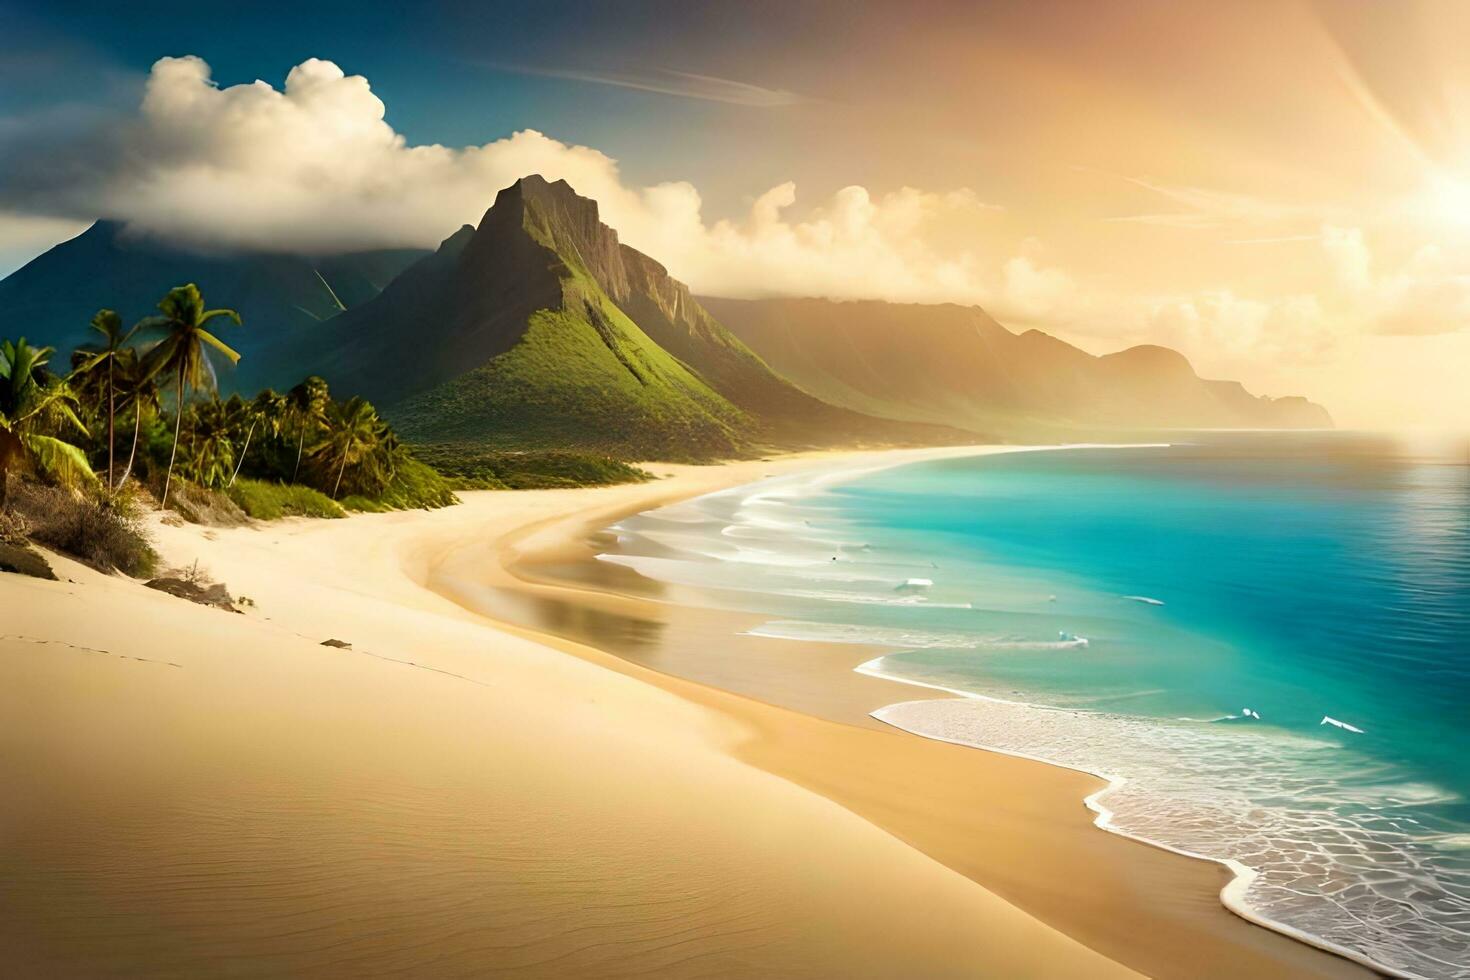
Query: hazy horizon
[[1279, 191]]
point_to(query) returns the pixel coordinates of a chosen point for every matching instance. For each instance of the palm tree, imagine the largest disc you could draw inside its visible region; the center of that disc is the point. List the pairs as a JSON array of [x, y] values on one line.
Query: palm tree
[[355, 435], [141, 390], [183, 354], [114, 342], [308, 403], [267, 411], [210, 458], [32, 400]]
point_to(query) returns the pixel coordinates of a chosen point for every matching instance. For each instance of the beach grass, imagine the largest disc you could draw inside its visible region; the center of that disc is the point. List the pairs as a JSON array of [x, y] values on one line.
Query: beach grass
[[104, 531], [414, 485], [266, 501]]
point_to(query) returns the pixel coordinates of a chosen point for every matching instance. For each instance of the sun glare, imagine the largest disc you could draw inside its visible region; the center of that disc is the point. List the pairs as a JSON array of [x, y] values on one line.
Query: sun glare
[[1445, 201]]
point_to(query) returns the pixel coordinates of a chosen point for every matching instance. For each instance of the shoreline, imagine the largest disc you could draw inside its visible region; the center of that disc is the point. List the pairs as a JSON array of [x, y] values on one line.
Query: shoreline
[[1232, 895], [190, 739], [1238, 876]]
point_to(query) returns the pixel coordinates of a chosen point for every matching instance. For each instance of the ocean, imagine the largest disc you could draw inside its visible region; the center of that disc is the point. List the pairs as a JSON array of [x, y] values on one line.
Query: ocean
[[1261, 639]]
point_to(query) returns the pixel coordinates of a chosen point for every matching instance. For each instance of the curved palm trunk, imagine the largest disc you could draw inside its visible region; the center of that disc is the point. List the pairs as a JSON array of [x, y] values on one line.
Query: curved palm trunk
[[111, 421], [178, 424], [241, 461], [338, 485], [9, 450], [133, 453], [300, 445]]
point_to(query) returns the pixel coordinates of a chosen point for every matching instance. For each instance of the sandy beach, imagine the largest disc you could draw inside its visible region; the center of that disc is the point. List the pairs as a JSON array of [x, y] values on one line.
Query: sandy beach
[[474, 787]]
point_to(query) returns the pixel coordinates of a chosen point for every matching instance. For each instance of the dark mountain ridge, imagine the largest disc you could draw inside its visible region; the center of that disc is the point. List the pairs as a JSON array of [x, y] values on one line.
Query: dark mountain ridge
[[280, 295]]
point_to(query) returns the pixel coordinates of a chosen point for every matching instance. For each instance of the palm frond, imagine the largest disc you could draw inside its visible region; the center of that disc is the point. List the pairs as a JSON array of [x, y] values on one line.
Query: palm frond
[[89, 360], [65, 411], [211, 314], [58, 460], [220, 345]]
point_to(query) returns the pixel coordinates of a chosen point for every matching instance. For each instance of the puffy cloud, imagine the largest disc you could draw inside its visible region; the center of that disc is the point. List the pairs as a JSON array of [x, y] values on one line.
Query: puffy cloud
[[1034, 292], [315, 167], [852, 246], [312, 166], [1222, 328], [1427, 294]]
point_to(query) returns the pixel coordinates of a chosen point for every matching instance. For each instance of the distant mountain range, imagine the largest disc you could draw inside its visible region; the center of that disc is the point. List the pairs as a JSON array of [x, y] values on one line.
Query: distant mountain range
[[540, 328], [957, 364]]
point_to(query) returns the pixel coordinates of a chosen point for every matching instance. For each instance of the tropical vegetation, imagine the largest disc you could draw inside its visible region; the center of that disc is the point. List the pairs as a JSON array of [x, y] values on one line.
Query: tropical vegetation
[[36, 409], [139, 415], [138, 421]]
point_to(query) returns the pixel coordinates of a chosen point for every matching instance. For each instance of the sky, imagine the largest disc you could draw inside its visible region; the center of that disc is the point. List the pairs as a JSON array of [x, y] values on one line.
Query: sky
[[1281, 190]]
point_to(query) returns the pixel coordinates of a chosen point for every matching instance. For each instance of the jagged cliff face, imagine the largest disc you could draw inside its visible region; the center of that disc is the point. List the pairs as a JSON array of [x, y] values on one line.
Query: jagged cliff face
[[661, 305], [959, 365]]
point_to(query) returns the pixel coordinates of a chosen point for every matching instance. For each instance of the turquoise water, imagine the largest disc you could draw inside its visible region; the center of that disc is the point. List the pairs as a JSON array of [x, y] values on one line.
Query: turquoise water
[[1120, 608]]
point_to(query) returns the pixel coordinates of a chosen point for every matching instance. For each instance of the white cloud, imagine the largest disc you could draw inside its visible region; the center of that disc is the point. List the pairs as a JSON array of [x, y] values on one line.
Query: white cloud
[[1428, 294], [852, 246], [314, 166], [1226, 329], [1033, 291]]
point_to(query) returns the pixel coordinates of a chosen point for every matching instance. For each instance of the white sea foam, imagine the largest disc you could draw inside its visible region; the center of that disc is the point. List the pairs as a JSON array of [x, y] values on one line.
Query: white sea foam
[[1320, 850], [868, 598], [1146, 600], [905, 639], [879, 636]]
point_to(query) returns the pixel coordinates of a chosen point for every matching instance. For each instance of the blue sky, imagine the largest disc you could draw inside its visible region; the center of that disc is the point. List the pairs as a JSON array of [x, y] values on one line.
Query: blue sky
[[456, 74]]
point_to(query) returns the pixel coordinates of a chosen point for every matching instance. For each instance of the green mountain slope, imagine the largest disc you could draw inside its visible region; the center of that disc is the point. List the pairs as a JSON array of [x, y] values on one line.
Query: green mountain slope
[[539, 328], [957, 365], [504, 337], [281, 296], [584, 375]]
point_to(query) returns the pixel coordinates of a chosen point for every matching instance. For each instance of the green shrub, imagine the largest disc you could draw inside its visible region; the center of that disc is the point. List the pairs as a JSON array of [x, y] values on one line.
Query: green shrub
[[474, 467], [268, 501], [414, 484], [103, 531]]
